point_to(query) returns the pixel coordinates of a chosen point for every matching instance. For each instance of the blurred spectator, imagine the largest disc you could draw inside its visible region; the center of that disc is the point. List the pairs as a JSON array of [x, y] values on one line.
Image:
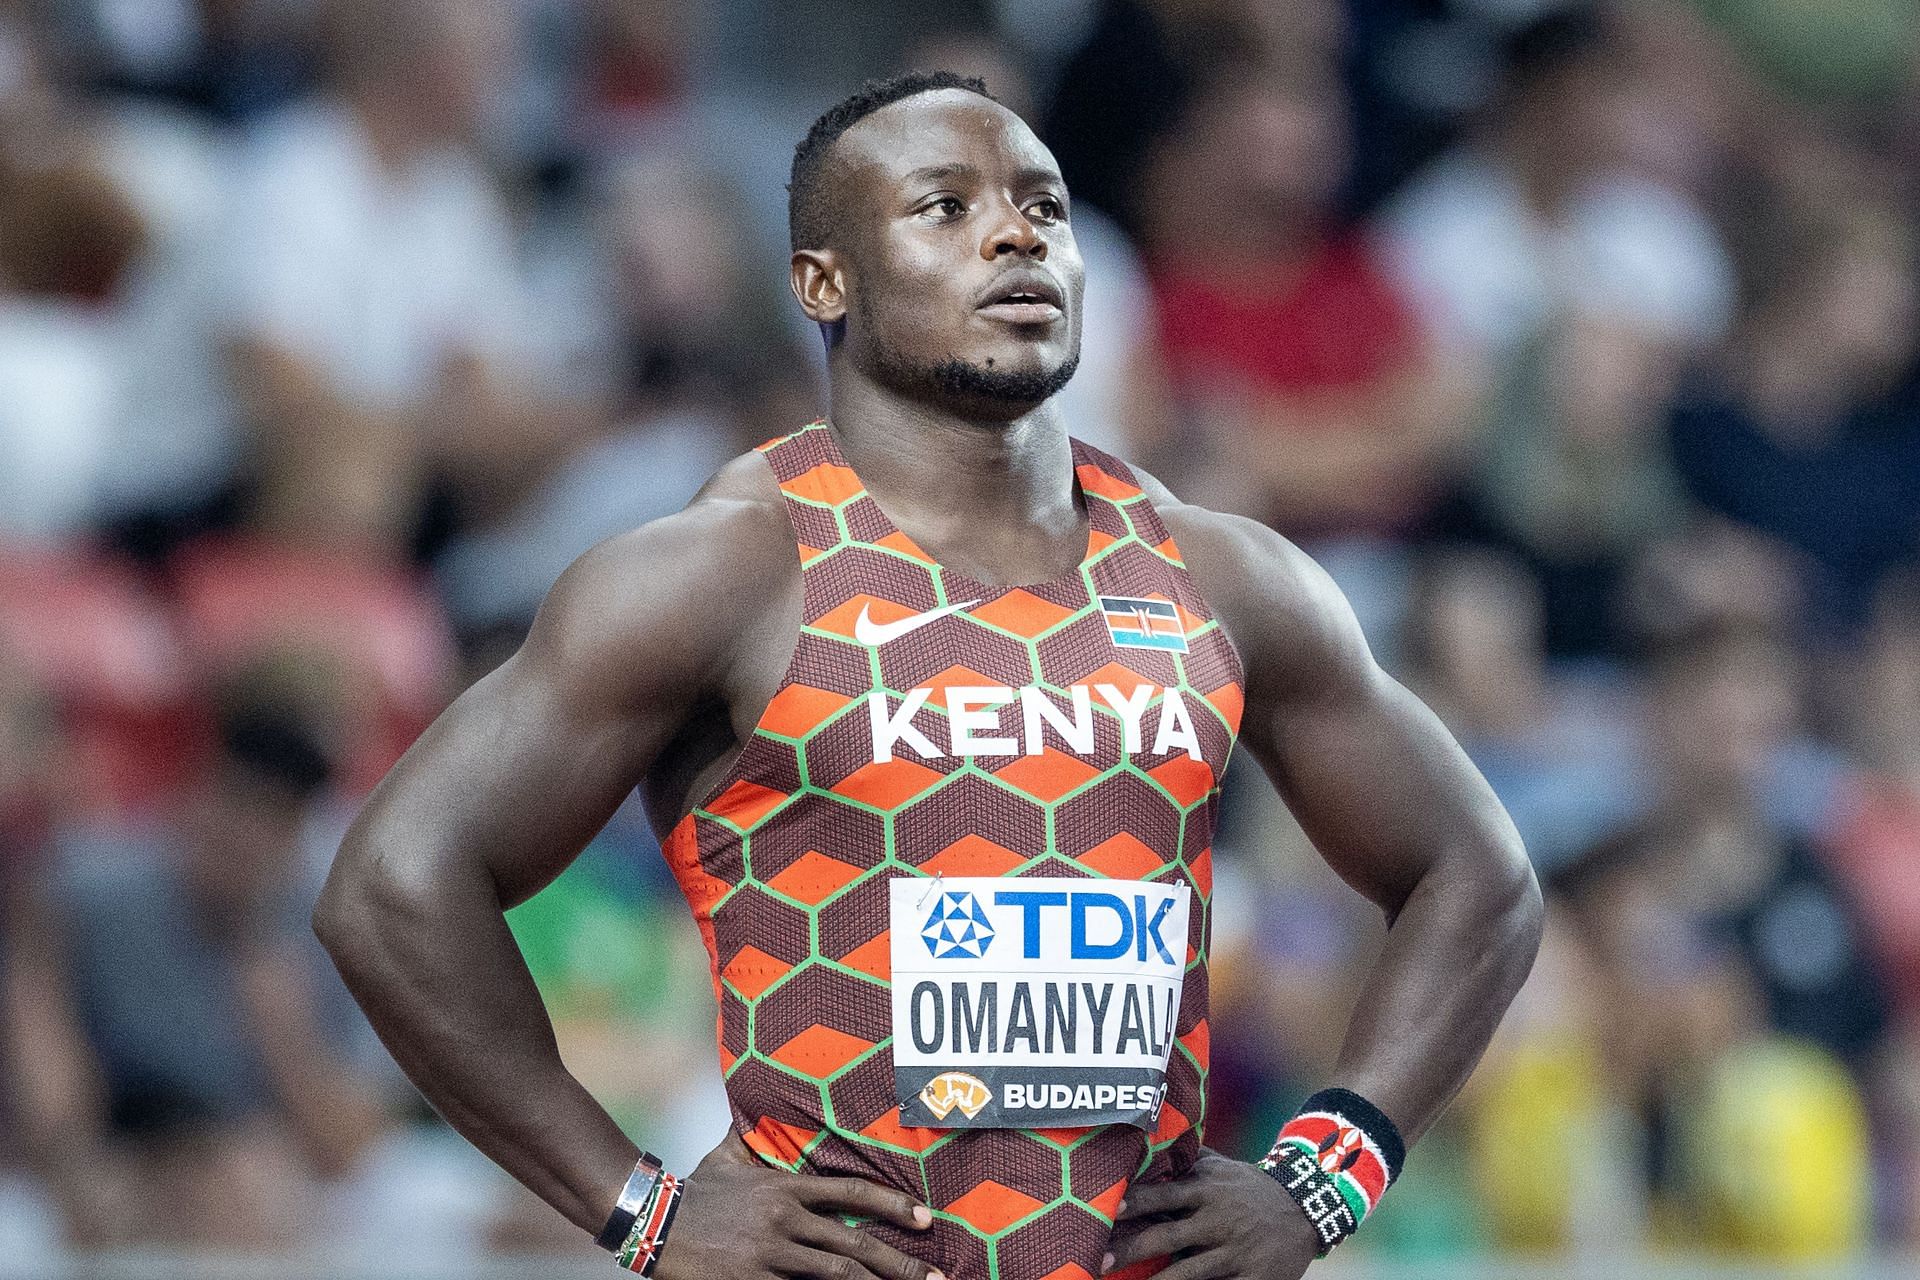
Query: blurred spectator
[[1720, 922], [67, 236], [1722, 876], [1572, 470], [1806, 432], [690, 356], [1559, 752], [1549, 246], [1120, 89], [370, 640], [1713, 572], [230, 60], [637, 68], [363, 295], [100, 648], [1541, 213], [213, 1082], [1875, 843], [1876, 838], [1132, 73], [1311, 395]]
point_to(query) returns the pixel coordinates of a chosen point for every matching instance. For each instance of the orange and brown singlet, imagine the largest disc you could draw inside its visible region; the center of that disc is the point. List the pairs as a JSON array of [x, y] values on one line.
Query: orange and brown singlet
[[885, 757]]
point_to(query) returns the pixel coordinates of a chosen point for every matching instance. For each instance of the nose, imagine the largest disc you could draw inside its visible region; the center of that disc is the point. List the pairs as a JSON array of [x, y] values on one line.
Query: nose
[[1012, 232]]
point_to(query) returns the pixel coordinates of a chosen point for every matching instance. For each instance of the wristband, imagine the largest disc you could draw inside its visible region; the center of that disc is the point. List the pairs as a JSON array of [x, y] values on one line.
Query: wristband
[[1336, 1158], [633, 1198], [641, 1252]]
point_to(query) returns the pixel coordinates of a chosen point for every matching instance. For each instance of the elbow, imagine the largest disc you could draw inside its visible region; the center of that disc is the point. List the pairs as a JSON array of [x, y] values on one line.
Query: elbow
[[1516, 907], [1492, 893], [381, 894], [360, 901], [333, 911]]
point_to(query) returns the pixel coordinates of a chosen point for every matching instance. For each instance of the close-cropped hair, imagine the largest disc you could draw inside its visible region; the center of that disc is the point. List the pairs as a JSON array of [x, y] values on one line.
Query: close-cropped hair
[[812, 212]]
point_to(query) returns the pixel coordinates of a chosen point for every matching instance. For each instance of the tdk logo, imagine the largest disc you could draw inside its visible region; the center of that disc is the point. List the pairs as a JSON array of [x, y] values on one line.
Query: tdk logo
[[957, 928], [1136, 929], [1098, 925]]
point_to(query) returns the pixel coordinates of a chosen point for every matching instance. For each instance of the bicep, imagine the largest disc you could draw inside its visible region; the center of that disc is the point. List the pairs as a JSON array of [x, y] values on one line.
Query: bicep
[[526, 766], [1378, 784], [512, 778]]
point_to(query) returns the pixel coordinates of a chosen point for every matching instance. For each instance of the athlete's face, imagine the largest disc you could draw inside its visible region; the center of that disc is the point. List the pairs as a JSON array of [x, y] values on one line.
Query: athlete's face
[[958, 278]]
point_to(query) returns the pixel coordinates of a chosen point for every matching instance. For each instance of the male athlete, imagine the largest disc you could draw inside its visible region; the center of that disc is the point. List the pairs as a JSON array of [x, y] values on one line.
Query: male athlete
[[932, 703]]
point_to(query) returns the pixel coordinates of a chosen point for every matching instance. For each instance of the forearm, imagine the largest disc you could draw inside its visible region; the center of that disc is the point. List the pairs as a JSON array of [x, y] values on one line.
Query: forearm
[[439, 975], [1457, 952]]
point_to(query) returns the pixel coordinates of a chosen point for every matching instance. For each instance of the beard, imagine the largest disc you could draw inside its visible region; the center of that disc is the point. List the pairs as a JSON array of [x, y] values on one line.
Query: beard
[[965, 380]]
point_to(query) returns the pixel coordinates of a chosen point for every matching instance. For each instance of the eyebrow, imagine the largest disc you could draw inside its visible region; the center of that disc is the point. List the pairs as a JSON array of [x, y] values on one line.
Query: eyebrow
[[1028, 177], [939, 173]]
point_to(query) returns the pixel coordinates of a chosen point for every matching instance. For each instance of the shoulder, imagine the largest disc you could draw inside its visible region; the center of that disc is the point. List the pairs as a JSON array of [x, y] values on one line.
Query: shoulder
[[1285, 616], [674, 595]]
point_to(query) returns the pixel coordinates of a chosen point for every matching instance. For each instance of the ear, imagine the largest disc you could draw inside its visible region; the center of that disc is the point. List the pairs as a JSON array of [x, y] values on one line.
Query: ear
[[817, 280]]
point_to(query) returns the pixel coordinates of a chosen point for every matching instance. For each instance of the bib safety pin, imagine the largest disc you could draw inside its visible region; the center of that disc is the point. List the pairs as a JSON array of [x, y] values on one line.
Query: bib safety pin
[[933, 890]]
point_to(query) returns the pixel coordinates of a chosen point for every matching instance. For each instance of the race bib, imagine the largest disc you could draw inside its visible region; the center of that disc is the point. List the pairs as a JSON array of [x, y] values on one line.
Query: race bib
[[1034, 1002]]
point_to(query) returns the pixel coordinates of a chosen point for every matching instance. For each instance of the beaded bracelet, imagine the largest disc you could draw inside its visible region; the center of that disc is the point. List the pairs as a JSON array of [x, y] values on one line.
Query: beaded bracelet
[[641, 1252], [1336, 1158]]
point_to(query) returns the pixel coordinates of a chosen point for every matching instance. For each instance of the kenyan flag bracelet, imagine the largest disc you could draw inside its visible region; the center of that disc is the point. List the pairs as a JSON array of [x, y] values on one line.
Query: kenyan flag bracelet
[[1336, 1158], [641, 1251]]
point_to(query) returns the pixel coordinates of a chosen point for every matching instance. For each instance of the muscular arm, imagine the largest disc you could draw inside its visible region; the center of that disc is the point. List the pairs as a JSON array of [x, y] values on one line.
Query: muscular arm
[[1395, 807], [495, 800]]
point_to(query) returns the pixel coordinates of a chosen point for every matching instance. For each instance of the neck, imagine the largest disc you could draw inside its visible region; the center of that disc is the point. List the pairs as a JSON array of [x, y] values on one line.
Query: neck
[[953, 475]]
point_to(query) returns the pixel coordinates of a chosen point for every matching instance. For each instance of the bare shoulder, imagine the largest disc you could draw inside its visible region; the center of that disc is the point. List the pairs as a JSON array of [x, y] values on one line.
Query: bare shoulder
[[670, 598], [1285, 616]]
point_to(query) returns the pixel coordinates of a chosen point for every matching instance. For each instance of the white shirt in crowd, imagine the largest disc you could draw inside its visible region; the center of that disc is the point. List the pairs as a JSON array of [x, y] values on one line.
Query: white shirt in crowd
[[1486, 268], [374, 276]]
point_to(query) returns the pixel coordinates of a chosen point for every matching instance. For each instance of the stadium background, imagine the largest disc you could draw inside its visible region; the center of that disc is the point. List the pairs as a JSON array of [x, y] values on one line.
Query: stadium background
[[1578, 341]]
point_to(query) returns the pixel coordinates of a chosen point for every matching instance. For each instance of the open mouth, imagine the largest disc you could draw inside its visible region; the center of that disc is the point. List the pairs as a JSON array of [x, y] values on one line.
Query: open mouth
[[1027, 299]]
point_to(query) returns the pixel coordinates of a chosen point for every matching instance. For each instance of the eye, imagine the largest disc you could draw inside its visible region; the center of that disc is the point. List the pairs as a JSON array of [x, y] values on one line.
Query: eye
[[1047, 209], [945, 206]]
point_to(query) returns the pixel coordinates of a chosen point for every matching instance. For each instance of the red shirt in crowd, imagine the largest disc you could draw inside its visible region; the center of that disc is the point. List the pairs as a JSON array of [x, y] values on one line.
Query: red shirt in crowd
[[1334, 324]]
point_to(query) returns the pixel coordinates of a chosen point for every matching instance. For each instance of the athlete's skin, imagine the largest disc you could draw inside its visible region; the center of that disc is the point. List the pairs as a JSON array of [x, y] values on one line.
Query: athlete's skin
[[655, 654]]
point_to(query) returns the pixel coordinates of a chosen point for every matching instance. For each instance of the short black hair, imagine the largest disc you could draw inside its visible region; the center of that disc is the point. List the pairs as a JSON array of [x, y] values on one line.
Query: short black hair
[[810, 214]]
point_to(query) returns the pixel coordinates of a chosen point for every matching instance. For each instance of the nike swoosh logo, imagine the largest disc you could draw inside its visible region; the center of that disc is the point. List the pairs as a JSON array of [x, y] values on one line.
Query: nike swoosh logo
[[867, 631]]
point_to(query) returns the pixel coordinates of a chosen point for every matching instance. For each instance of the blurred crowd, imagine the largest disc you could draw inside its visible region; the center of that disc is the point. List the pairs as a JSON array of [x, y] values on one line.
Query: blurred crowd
[[1578, 340]]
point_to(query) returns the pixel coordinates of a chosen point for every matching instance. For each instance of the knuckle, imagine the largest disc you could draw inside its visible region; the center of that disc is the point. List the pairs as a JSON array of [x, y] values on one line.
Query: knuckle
[[843, 1268]]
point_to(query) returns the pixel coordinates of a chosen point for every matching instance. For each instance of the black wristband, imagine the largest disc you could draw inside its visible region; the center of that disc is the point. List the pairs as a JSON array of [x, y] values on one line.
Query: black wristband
[[1312, 1188], [1336, 1158]]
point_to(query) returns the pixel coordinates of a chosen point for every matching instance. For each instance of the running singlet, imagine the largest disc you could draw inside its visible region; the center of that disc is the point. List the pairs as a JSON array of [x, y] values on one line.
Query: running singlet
[[931, 727]]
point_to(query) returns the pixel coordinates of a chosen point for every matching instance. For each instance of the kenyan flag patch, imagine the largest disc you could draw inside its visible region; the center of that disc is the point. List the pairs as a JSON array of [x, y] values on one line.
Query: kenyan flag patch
[[1134, 623], [1344, 1153]]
